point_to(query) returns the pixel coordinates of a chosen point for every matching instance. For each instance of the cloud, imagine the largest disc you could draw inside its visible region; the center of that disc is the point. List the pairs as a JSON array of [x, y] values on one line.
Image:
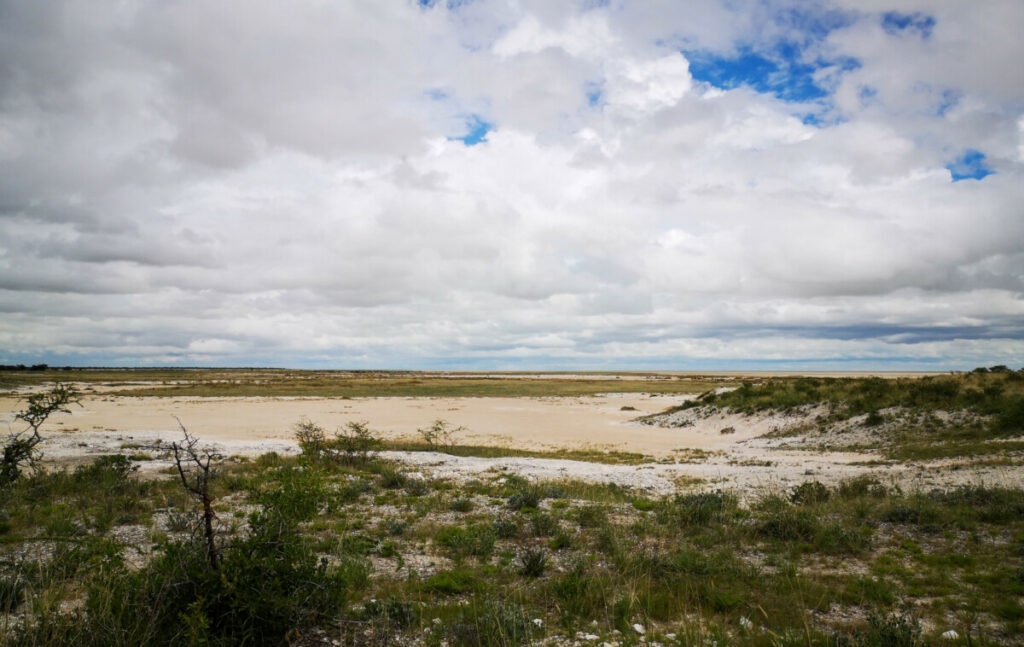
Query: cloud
[[492, 184]]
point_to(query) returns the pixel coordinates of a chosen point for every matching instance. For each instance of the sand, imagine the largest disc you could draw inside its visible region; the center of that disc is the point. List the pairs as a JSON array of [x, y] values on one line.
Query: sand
[[698, 455], [533, 423]]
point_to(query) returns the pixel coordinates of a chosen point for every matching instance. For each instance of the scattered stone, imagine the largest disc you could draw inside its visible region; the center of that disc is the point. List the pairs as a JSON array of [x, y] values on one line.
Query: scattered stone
[[639, 628]]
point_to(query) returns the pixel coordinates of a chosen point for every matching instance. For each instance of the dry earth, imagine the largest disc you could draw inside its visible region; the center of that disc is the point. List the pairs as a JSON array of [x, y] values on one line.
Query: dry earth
[[695, 454]]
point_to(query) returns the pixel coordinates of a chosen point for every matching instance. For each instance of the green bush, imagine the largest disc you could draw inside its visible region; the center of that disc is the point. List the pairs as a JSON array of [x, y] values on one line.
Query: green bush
[[270, 582], [461, 504], [527, 497], [476, 540], [533, 562], [506, 528], [392, 478], [351, 445], [810, 492], [543, 524], [697, 509]]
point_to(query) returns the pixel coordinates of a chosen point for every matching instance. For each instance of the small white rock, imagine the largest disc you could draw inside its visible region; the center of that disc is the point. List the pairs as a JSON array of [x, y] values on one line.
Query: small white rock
[[538, 622], [436, 621], [745, 622], [950, 635], [589, 637], [639, 628]]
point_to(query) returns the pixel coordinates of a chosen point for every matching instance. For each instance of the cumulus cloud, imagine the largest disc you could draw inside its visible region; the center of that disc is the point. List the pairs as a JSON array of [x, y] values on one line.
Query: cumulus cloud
[[497, 183]]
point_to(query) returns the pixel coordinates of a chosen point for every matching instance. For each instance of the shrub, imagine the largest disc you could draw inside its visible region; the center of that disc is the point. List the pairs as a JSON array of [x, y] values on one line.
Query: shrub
[[393, 613], [809, 492], [311, 438], [477, 541], [506, 528], [590, 516], [439, 433], [861, 486], [107, 471], [351, 445], [698, 509], [874, 419], [896, 630], [529, 496], [395, 527], [461, 504], [20, 449], [543, 524], [533, 562], [392, 478], [780, 520], [491, 623], [270, 581]]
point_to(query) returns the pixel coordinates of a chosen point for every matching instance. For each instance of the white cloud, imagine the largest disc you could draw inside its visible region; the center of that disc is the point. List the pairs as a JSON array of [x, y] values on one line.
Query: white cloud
[[243, 182]]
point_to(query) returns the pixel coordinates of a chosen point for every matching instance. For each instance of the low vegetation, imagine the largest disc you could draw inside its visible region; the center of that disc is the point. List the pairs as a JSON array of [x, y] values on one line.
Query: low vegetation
[[313, 550], [938, 417], [340, 546]]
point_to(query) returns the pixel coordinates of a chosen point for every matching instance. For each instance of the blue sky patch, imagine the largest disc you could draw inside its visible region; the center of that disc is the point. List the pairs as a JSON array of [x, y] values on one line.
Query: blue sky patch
[[894, 22], [969, 166], [478, 129], [780, 71], [594, 92]]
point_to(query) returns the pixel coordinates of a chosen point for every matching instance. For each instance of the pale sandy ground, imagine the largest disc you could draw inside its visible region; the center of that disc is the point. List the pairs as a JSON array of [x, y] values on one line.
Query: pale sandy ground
[[251, 426]]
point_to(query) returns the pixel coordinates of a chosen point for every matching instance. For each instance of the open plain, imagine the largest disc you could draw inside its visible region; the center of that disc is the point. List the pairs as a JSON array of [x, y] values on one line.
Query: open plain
[[499, 509]]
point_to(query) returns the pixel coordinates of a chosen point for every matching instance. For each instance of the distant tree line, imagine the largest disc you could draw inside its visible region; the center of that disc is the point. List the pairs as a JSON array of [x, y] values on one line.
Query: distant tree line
[[34, 367]]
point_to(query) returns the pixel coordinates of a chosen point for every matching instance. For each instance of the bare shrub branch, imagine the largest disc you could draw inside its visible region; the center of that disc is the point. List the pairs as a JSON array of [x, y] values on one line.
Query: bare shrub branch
[[197, 467]]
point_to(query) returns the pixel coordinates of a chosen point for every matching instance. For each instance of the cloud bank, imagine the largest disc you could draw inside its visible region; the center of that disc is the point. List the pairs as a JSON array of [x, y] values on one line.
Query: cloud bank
[[512, 184]]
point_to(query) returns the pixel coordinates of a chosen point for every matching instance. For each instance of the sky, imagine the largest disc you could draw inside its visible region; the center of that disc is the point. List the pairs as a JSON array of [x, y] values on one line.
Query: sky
[[513, 184]]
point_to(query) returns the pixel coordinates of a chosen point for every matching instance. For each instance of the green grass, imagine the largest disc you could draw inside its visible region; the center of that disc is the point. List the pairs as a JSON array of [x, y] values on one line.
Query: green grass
[[352, 546], [1000, 395], [577, 556], [930, 418], [608, 457], [925, 451]]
